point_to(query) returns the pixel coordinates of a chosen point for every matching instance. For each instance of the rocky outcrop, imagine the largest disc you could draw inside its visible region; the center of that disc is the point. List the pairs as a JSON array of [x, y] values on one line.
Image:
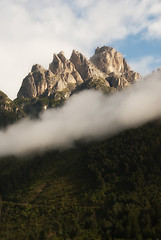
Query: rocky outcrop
[[7, 104], [85, 67], [105, 71], [37, 82], [9, 111], [62, 77], [122, 80], [60, 80], [111, 62], [108, 60], [66, 71], [91, 75]]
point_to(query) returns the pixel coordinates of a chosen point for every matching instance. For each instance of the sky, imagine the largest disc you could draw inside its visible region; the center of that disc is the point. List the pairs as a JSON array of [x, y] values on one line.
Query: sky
[[32, 31]]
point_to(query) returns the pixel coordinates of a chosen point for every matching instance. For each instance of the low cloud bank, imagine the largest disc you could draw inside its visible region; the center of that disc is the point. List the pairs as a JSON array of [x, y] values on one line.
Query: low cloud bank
[[88, 115]]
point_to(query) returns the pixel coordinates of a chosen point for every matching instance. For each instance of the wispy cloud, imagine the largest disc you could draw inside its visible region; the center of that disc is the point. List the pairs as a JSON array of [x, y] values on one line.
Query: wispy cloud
[[86, 116], [145, 65], [154, 29]]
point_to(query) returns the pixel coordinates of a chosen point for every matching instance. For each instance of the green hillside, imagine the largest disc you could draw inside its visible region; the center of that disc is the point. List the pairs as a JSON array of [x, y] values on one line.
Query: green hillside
[[103, 190]]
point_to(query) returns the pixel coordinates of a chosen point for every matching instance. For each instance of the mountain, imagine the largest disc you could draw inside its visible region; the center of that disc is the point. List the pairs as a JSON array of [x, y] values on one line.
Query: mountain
[[9, 111], [103, 190], [106, 70], [38, 82], [111, 62]]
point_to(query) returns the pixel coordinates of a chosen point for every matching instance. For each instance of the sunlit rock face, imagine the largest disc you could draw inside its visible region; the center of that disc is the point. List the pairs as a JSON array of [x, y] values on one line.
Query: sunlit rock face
[[37, 82], [105, 70], [108, 60], [65, 69], [85, 67], [111, 62]]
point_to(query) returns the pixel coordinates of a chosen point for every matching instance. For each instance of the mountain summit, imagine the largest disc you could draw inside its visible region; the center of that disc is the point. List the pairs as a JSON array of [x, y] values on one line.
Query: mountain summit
[[111, 62], [108, 60], [106, 70]]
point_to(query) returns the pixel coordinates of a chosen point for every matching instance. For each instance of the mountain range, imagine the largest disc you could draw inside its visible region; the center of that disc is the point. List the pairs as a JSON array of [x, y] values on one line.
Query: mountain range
[[42, 88], [101, 190], [106, 70]]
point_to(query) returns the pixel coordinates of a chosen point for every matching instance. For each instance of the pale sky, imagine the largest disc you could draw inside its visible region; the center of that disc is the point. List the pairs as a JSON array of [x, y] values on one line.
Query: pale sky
[[32, 30]]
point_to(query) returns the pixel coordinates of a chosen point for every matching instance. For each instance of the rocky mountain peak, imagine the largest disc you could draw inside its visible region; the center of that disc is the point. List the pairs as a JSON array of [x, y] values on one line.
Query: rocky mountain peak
[[108, 60], [104, 48], [65, 69], [112, 63], [37, 82], [36, 67], [61, 55], [84, 66], [105, 70]]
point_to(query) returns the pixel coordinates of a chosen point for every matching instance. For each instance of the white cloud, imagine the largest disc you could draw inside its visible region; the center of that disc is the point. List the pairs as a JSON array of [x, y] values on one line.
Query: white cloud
[[86, 116], [154, 29], [142, 65], [32, 30], [145, 65], [156, 8], [83, 3]]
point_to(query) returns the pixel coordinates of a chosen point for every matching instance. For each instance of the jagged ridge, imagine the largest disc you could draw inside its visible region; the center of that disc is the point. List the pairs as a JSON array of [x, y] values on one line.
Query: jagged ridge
[[105, 70]]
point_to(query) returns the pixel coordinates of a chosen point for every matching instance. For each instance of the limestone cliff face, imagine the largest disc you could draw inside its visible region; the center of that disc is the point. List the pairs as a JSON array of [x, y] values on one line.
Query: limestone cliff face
[[108, 60], [37, 82], [65, 69], [61, 76], [111, 62], [85, 67], [91, 75], [106, 70]]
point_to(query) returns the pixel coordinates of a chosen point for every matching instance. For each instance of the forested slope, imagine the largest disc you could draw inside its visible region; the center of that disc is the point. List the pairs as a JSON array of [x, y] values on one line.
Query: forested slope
[[103, 190]]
